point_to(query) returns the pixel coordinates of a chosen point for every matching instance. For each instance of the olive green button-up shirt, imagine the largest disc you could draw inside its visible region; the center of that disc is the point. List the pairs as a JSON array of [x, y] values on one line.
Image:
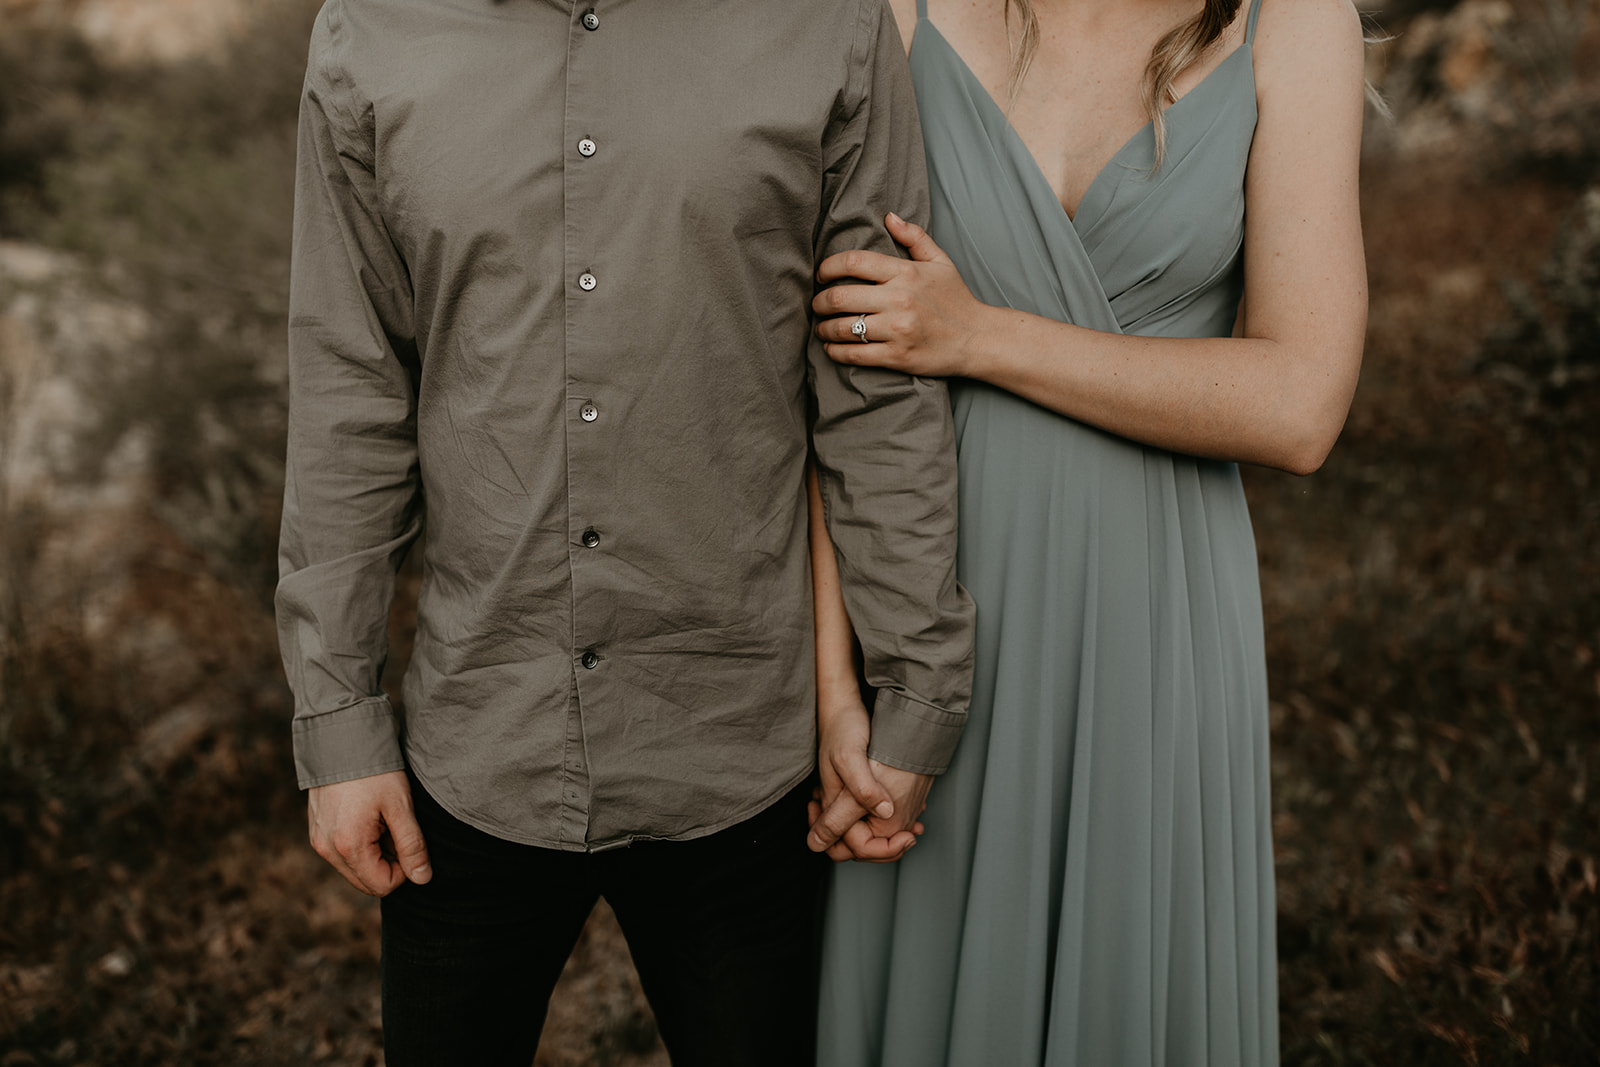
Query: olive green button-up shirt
[[551, 283]]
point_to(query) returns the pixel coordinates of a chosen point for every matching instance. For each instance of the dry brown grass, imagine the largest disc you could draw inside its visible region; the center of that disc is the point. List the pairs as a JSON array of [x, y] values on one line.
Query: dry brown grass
[[1434, 628]]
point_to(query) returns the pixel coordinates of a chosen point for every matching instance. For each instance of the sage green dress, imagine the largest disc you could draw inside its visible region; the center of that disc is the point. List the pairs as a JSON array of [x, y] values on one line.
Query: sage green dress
[[1095, 886]]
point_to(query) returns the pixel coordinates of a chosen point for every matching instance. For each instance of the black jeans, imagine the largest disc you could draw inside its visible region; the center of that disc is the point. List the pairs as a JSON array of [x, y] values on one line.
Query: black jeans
[[722, 930]]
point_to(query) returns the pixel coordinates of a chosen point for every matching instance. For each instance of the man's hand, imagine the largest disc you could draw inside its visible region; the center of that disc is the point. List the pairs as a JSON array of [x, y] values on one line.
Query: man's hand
[[909, 793], [366, 829], [866, 810]]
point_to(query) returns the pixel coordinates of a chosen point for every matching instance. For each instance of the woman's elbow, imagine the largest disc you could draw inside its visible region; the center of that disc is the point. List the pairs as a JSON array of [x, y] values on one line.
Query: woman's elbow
[[1305, 445], [1313, 410], [1306, 460]]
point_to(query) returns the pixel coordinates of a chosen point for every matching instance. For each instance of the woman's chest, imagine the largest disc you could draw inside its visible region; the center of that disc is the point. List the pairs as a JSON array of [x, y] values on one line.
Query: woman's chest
[[1082, 96]]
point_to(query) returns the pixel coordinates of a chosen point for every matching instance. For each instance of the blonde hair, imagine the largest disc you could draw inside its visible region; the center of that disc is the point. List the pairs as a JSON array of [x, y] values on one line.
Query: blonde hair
[[1177, 50]]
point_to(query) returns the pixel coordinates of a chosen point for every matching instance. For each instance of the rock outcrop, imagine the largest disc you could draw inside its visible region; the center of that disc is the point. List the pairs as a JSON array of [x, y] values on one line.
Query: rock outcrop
[[142, 30]]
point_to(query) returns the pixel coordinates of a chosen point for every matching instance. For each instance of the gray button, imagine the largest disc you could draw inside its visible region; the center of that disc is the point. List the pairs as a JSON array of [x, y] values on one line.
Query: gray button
[[587, 282], [586, 147], [590, 538], [591, 21], [589, 412], [591, 659]]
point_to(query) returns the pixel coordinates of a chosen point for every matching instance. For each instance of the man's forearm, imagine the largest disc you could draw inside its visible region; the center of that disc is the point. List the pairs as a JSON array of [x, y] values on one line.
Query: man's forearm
[[885, 442]]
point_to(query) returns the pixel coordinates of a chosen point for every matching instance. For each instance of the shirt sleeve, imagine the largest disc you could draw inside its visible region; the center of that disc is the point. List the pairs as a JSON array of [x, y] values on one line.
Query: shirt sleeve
[[885, 441], [352, 497]]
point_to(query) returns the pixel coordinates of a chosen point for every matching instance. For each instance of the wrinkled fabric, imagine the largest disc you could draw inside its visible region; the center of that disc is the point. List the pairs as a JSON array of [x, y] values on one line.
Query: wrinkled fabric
[[550, 298]]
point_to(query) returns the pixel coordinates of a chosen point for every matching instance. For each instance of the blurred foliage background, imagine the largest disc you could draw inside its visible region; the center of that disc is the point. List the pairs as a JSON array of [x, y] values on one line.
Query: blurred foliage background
[[1432, 595]]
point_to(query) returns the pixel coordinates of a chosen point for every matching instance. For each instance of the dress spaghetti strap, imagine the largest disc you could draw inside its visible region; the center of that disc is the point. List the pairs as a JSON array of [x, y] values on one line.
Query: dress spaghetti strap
[[922, 9], [1249, 27]]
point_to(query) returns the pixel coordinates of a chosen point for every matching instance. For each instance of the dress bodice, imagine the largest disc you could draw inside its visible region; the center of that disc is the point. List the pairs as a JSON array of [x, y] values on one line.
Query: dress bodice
[[1151, 251]]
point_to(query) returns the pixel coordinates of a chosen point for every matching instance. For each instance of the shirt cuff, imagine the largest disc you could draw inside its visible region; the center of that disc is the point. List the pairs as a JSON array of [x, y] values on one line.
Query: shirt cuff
[[353, 742], [912, 736]]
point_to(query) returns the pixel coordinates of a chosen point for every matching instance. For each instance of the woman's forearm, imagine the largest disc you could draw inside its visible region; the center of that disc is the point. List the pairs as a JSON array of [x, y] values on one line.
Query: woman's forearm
[[836, 670], [1243, 398]]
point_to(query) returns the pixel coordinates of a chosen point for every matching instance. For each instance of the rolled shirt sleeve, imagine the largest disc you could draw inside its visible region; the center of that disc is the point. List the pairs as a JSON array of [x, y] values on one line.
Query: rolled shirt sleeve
[[352, 502], [885, 441]]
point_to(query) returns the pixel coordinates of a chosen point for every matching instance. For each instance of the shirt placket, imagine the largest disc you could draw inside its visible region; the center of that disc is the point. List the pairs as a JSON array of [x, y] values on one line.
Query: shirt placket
[[591, 414]]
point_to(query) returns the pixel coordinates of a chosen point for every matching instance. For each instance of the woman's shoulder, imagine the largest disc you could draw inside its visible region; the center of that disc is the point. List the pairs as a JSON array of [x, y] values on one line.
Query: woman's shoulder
[[1293, 31], [1302, 46]]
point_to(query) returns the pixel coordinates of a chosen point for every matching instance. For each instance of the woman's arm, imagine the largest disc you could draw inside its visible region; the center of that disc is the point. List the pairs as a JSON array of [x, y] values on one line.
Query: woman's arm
[[1278, 393], [838, 690], [852, 785]]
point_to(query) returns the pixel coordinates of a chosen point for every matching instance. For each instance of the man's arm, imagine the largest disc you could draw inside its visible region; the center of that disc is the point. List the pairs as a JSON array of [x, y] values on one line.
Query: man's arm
[[884, 445], [352, 497]]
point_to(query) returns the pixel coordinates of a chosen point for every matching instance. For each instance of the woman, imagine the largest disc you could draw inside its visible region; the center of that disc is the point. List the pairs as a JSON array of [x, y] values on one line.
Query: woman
[[1123, 324]]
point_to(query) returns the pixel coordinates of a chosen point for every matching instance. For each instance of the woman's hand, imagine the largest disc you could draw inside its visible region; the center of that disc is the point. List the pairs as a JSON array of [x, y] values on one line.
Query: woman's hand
[[920, 316], [854, 815]]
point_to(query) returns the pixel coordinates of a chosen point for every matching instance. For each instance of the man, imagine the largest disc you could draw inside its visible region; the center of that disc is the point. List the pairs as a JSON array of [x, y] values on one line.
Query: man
[[552, 271]]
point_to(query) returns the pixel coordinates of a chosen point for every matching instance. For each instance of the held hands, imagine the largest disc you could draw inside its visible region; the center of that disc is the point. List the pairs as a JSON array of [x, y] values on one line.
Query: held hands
[[366, 829], [921, 318], [865, 810]]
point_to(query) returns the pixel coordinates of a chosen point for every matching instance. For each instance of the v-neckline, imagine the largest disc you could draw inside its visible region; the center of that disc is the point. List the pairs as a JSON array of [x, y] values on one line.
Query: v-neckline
[[925, 24]]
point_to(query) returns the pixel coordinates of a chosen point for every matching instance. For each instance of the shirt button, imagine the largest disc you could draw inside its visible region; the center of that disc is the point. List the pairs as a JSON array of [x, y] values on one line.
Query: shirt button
[[590, 538], [586, 147], [591, 21], [589, 412], [591, 660], [587, 282]]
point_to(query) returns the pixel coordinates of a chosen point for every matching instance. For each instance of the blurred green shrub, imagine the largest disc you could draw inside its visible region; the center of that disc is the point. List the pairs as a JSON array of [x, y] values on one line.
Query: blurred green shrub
[[175, 190], [48, 76], [1551, 121], [172, 188], [1549, 350]]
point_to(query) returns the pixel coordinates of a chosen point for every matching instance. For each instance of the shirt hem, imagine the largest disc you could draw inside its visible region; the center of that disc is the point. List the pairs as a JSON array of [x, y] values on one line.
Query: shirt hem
[[505, 833]]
